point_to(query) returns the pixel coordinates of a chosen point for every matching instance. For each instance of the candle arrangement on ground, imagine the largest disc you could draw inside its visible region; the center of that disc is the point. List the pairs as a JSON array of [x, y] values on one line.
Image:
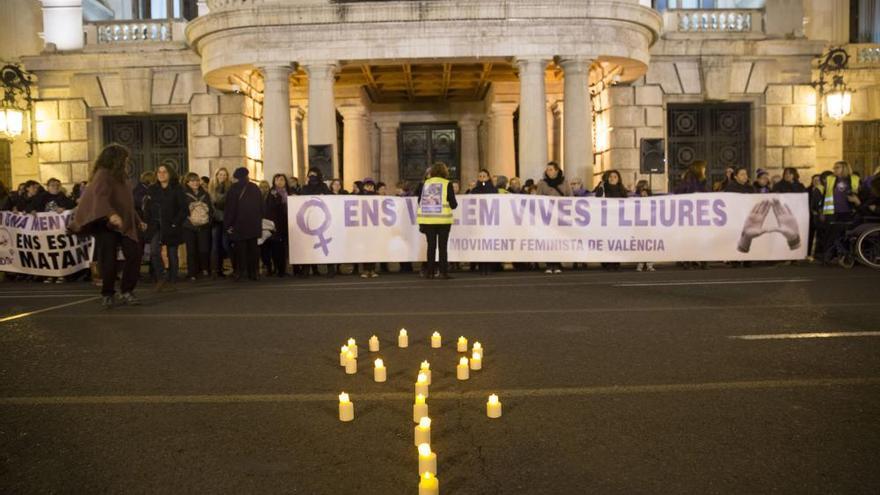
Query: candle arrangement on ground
[[429, 484]]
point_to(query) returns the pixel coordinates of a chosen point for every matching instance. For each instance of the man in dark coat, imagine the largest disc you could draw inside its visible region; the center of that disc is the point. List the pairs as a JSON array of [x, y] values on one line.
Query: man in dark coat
[[243, 220]]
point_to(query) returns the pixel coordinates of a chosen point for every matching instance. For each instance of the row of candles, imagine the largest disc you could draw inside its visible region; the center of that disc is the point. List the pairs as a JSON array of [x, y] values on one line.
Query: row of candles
[[429, 484]]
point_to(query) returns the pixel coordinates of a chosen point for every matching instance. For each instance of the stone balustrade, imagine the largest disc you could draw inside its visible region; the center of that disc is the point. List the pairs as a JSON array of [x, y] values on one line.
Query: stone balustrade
[[142, 31], [714, 21], [869, 54]]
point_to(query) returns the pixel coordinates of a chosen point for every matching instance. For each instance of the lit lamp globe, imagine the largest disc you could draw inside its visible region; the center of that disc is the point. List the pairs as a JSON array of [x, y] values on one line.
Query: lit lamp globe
[[11, 122], [839, 104]]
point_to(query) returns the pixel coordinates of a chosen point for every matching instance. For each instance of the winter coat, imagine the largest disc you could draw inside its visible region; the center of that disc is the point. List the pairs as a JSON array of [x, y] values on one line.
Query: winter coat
[[49, 202], [103, 197], [139, 193], [561, 189], [315, 186], [165, 209], [276, 210], [243, 215], [608, 191], [689, 186], [735, 187], [789, 187], [218, 200], [484, 188], [190, 197]]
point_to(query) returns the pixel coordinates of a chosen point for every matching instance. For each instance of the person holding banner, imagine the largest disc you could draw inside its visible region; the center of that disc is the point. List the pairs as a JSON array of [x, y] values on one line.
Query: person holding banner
[[553, 184], [611, 187], [436, 202], [106, 210]]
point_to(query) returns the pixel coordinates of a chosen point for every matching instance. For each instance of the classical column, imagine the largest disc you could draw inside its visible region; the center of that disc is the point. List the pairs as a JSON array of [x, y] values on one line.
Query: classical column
[[389, 169], [558, 133], [355, 143], [277, 143], [501, 157], [470, 152], [532, 118], [297, 115], [322, 108], [577, 130]]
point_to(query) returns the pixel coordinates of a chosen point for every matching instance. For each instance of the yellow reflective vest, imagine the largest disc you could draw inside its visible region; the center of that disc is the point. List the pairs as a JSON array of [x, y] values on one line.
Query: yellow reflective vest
[[828, 206], [433, 206]]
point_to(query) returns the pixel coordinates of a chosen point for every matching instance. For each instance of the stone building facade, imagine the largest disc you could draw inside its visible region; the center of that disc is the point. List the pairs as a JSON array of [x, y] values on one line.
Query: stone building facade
[[381, 88]]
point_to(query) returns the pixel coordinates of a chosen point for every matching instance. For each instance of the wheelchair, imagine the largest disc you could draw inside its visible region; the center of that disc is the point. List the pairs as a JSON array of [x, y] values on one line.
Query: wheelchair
[[859, 242]]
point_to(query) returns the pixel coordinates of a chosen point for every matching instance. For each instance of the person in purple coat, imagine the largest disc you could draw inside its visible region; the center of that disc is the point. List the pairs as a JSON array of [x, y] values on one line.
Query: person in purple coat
[[243, 220]]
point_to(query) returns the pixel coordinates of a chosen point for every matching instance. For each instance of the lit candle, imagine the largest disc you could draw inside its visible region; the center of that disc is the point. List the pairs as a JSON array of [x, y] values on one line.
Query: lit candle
[[476, 361], [436, 341], [427, 459], [422, 385], [429, 484], [493, 407], [379, 373], [478, 349], [353, 347], [351, 364], [374, 344], [426, 369], [461, 371], [403, 339], [420, 408], [462, 344], [423, 431], [342, 352], [346, 408]]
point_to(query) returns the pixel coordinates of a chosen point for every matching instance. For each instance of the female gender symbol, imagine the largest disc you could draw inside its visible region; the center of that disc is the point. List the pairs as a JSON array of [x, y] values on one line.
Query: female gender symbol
[[301, 221]]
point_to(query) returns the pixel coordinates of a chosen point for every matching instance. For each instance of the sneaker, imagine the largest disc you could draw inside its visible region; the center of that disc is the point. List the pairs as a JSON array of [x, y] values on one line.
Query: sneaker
[[549, 270], [365, 275], [107, 302], [557, 270], [373, 274], [129, 299], [48, 280], [639, 267], [60, 280], [651, 268]]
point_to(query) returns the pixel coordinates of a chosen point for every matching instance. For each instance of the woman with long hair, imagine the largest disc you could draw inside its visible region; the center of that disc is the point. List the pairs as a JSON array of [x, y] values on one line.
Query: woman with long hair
[[217, 189], [165, 208], [552, 184], [436, 202], [106, 210], [276, 211], [693, 181], [611, 187]]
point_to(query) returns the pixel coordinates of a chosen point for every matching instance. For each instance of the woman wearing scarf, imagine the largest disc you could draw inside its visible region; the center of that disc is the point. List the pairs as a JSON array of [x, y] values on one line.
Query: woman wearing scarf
[[611, 187], [553, 184], [243, 221], [276, 210], [106, 209]]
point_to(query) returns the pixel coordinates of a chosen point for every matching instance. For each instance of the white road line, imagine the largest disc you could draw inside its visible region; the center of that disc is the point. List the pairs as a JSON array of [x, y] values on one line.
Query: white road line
[[812, 335], [475, 394], [715, 282], [40, 296], [44, 310]]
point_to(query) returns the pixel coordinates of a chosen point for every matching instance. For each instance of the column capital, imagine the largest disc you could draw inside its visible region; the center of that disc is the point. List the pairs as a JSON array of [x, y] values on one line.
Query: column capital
[[502, 109], [532, 64], [575, 65], [322, 69], [276, 71], [387, 125], [353, 112], [468, 124]]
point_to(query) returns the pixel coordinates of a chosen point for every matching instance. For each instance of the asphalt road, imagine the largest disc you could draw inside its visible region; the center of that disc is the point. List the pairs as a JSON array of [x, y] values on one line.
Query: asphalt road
[[612, 383]]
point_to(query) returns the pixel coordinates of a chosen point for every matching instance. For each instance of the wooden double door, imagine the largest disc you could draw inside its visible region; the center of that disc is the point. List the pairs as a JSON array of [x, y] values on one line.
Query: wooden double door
[[153, 140], [421, 145]]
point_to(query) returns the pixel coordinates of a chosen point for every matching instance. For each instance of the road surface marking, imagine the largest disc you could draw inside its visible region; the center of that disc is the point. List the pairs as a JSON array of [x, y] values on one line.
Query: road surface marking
[[475, 394], [811, 335], [715, 282], [40, 296], [44, 310]]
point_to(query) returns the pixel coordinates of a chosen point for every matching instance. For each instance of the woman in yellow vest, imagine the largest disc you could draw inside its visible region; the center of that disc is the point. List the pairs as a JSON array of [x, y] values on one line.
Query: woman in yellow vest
[[838, 207], [436, 202]]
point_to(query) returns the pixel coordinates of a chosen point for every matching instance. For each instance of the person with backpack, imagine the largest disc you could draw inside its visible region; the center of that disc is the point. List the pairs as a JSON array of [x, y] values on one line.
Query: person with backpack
[[197, 228], [166, 211]]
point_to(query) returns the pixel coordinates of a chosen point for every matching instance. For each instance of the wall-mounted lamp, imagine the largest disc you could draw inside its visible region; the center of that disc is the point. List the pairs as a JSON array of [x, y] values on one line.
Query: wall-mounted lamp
[[833, 93], [17, 101]]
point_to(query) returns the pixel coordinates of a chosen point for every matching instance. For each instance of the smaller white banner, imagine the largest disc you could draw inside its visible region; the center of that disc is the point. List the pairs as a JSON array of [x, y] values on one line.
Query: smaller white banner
[[519, 228], [38, 244]]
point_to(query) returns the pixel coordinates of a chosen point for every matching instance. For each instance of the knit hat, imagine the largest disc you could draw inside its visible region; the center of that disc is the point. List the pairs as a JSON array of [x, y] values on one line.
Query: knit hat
[[369, 180], [240, 173], [761, 172]]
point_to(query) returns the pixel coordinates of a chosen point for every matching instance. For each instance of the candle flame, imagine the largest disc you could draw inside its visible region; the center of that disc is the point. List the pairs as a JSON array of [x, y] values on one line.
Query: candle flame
[[344, 349], [477, 345], [350, 342], [343, 397], [424, 450], [422, 378], [426, 365], [425, 422], [420, 399], [493, 399], [462, 339], [379, 363], [435, 334], [463, 361], [402, 331], [374, 338]]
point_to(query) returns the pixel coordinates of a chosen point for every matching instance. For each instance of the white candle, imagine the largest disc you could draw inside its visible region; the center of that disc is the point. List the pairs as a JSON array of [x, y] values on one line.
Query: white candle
[[493, 407], [403, 339], [462, 344], [342, 352], [422, 385], [436, 341], [423, 431], [420, 408], [427, 459], [476, 361], [374, 344], [426, 369], [461, 371], [346, 408], [353, 347], [429, 484], [478, 349], [379, 373], [351, 364]]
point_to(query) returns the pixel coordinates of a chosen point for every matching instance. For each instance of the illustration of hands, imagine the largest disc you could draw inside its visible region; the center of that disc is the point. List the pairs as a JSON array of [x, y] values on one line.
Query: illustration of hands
[[754, 225]]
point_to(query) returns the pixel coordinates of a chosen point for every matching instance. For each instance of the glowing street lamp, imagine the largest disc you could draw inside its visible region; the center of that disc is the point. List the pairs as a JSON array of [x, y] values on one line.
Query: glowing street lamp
[[16, 86], [11, 122], [839, 103]]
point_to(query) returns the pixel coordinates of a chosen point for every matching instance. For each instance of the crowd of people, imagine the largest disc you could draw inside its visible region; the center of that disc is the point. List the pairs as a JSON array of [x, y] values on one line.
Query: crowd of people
[[234, 226]]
